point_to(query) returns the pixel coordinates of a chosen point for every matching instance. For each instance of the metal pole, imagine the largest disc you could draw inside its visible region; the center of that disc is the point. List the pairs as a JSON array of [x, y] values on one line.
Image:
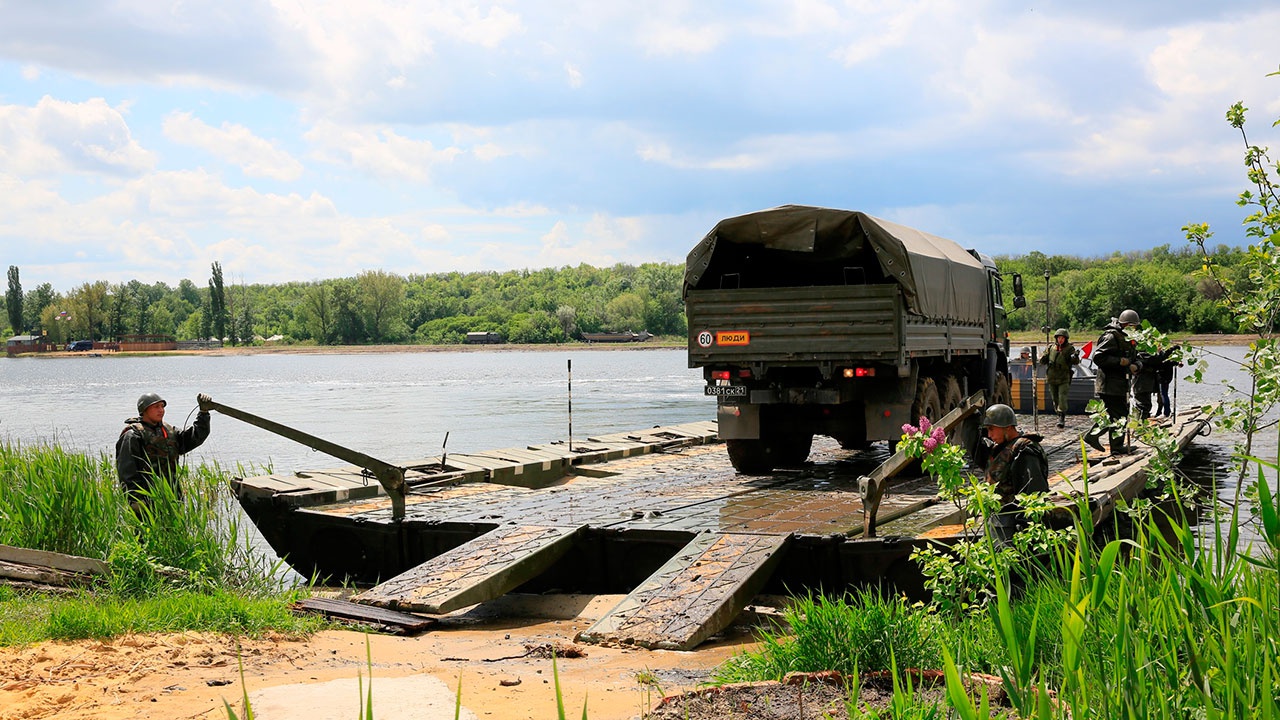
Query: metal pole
[[444, 456], [570, 404], [1046, 307], [1035, 391]]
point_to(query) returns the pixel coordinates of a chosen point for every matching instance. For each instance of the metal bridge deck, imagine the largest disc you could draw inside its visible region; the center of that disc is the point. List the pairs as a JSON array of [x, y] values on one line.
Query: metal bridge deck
[[659, 514]]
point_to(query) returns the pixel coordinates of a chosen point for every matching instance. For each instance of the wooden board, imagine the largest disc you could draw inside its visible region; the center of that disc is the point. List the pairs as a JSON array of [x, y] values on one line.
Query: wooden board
[[694, 595], [485, 568]]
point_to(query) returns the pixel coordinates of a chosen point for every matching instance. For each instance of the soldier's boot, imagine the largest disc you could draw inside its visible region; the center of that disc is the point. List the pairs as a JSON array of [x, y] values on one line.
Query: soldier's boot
[[1119, 448], [1062, 419], [1093, 439]]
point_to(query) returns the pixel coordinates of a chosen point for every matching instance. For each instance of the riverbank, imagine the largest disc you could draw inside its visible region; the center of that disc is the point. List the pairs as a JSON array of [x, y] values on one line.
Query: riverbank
[[231, 350], [503, 664], [1022, 338]]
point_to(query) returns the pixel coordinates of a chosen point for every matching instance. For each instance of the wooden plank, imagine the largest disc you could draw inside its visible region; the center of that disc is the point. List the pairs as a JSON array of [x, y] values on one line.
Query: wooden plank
[[57, 561], [484, 568], [694, 595], [43, 575], [402, 623]]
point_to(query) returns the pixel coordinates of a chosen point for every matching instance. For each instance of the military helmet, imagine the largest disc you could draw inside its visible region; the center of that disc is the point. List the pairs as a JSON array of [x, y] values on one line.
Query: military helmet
[[149, 399], [999, 415], [1129, 317], [1062, 332]]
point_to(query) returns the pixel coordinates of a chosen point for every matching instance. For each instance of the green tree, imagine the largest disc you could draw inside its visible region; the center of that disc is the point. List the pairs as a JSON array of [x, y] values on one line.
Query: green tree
[[118, 309], [380, 299], [318, 312], [348, 328], [89, 305], [218, 303], [13, 300], [36, 302], [625, 312]]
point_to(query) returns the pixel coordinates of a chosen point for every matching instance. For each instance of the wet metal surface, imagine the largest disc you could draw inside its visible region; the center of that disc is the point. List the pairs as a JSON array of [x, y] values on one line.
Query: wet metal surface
[[690, 539]]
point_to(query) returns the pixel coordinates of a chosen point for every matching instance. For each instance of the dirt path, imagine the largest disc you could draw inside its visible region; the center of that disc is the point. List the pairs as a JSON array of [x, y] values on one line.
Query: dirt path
[[190, 675]]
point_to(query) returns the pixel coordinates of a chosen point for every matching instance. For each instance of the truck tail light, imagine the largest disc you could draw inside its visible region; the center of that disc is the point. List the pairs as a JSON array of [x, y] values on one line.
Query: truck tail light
[[719, 374], [744, 373], [859, 372]]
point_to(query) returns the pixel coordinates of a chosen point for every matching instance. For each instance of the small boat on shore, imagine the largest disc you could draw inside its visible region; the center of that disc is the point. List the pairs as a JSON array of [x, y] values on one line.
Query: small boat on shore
[[1030, 390]]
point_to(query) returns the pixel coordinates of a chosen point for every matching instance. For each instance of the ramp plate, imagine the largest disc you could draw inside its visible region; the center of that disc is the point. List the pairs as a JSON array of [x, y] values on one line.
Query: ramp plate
[[694, 595], [484, 568]]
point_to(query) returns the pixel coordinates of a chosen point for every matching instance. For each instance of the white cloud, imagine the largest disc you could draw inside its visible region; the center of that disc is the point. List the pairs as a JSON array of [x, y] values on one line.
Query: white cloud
[[351, 42], [56, 136], [1197, 71], [574, 75], [235, 144], [378, 151], [30, 73]]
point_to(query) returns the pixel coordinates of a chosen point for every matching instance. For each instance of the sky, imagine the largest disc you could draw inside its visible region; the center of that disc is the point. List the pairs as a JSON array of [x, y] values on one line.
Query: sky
[[297, 140]]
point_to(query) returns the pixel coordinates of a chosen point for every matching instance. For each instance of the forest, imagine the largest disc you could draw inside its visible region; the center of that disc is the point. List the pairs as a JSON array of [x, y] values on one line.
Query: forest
[[1167, 286]]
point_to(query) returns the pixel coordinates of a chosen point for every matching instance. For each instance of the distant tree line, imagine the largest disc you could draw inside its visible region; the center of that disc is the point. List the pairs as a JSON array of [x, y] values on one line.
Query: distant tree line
[[554, 305], [1167, 287], [375, 306]]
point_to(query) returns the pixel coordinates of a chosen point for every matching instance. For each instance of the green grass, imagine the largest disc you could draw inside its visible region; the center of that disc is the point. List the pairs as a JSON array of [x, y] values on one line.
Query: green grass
[[1152, 626], [184, 564]]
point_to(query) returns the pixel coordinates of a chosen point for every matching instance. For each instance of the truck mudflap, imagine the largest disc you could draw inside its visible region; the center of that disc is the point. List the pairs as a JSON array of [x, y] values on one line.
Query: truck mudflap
[[738, 422]]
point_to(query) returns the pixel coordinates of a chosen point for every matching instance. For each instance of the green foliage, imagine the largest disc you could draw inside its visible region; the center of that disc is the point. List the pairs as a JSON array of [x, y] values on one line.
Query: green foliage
[[961, 576], [72, 503], [107, 616], [860, 631], [13, 300], [1250, 291]]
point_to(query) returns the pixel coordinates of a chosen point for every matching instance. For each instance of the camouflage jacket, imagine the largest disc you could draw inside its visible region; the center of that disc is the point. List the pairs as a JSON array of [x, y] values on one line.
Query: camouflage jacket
[[1060, 362], [1018, 466], [144, 451], [1109, 352]]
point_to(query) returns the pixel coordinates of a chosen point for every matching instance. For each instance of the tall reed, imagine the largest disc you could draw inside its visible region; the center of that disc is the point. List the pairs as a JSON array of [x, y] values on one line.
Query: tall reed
[[51, 499], [1166, 629]]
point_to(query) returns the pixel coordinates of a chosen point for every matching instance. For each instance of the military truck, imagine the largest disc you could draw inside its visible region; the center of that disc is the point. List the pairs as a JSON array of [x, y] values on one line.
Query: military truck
[[813, 321]]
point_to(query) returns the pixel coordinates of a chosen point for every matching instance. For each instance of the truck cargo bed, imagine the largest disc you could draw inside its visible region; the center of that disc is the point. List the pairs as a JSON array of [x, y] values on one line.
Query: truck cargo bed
[[809, 324]]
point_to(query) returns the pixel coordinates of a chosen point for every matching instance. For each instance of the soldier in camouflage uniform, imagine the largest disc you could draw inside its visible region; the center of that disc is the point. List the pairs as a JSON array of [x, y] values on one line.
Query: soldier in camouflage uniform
[[1061, 357], [1015, 464], [1117, 362], [149, 448]]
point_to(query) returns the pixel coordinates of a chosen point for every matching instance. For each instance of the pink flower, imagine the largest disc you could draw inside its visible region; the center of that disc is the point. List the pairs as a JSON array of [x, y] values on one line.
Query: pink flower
[[924, 425], [909, 429], [929, 445]]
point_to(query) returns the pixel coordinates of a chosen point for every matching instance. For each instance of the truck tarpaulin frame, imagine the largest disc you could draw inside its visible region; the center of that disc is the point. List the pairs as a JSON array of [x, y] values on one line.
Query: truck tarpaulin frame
[[816, 242]]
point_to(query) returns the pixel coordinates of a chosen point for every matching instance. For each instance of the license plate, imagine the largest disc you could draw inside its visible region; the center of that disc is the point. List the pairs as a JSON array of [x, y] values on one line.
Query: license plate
[[726, 390]]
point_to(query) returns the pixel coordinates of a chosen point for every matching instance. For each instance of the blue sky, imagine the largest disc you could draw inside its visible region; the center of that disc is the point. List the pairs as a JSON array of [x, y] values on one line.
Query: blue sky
[[299, 139]]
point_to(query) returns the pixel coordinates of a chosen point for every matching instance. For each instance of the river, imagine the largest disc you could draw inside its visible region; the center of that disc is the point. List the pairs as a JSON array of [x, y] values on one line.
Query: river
[[398, 406]]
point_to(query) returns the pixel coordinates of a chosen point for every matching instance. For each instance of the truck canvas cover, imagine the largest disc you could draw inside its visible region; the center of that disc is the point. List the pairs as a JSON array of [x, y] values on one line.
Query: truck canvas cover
[[800, 246]]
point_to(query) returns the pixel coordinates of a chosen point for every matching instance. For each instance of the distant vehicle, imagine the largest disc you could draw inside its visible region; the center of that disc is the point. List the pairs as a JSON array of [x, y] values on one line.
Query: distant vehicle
[[80, 346]]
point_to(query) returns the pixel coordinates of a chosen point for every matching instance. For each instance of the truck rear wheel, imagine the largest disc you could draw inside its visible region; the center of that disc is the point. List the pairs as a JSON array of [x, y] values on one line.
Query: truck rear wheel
[[927, 403], [1000, 393], [950, 393], [751, 457]]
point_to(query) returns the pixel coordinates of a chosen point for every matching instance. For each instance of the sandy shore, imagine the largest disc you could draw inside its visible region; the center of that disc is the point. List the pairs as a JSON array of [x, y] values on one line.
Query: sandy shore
[[190, 675]]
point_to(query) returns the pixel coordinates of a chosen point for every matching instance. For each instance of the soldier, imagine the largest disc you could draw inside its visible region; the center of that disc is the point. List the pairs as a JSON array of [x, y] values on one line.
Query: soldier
[[1148, 381], [1015, 464], [1061, 358], [149, 448], [1117, 361]]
